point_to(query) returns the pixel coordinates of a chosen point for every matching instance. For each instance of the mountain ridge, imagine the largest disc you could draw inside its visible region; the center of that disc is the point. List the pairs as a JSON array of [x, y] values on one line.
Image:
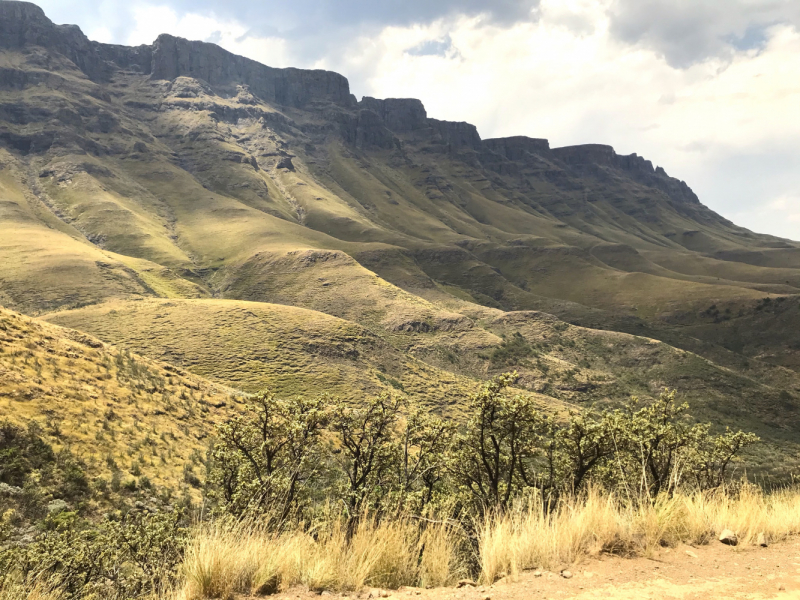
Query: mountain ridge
[[169, 57], [149, 193]]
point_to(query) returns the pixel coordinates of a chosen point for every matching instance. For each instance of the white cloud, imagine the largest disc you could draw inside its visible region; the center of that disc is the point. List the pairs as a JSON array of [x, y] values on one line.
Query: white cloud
[[149, 21]]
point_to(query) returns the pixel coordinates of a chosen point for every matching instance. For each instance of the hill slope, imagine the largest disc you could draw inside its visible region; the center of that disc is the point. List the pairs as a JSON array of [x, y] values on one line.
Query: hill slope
[[217, 188], [118, 411]]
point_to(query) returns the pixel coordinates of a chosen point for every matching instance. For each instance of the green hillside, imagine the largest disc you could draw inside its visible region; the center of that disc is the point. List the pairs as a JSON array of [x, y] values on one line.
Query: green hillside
[[261, 227]]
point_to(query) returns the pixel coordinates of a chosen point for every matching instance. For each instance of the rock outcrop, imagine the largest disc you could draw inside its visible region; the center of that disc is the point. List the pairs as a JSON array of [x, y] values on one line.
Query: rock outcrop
[[372, 122], [456, 134], [174, 57], [398, 114], [25, 24], [640, 169], [517, 147]]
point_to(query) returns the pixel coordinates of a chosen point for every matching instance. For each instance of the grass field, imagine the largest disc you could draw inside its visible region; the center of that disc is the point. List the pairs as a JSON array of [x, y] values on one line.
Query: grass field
[[118, 411], [405, 556]]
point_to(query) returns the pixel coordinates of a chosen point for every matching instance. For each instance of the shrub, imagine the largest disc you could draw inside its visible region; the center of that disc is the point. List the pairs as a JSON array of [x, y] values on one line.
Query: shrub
[[137, 555], [267, 457]]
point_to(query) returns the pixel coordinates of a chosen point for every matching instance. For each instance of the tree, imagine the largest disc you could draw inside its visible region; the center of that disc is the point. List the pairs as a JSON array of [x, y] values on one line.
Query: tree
[[366, 447], [495, 456], [581, 448], [660, 447], [422, 448], [264, 459]]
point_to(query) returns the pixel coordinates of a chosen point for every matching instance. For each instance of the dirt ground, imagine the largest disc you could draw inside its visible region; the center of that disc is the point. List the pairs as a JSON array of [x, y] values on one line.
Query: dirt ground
[[686, 573]]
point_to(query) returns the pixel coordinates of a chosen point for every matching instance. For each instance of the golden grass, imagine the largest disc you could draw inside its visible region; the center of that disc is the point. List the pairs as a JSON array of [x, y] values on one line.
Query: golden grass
[[113, 409], [223, 561], [37, 590], [255, 345], [530, 538]]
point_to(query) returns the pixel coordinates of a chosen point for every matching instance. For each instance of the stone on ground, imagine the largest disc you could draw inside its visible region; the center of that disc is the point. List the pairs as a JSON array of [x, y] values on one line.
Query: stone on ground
[[728, 537]]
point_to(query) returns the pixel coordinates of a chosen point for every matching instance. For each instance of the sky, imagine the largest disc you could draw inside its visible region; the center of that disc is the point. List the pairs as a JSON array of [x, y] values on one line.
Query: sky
[[707, 89]]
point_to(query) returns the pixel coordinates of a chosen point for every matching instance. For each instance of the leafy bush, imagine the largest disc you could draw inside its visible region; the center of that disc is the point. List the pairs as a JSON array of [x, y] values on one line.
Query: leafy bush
[[508, 448], [267, 457], [35, 475], [419, 497], [390, 455], [511, 351], [21, 452], [137, 555]]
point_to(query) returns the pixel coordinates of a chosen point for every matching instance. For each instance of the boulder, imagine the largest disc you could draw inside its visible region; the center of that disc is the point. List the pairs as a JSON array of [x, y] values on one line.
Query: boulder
[[728, 537]]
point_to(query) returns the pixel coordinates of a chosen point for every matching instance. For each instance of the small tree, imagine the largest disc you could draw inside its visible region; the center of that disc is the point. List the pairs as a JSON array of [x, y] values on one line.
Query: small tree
[[582, 448], [264, 459], [660, 448], [421, 456], [715, 455], [366, 448], [494, 457]]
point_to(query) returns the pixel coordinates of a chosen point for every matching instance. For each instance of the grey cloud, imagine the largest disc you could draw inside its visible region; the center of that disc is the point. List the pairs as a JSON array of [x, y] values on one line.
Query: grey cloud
[[314, 28], [301, 16], [687, 32], [326, 28]]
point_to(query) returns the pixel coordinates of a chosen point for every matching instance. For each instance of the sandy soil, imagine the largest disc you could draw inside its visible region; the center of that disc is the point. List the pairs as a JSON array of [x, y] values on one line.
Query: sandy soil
[[686, 573]]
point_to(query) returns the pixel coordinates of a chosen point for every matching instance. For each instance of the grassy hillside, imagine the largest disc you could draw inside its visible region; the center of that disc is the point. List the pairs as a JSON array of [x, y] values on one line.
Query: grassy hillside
[[250, 345], [125, 415], [312, 243], [253, 345]]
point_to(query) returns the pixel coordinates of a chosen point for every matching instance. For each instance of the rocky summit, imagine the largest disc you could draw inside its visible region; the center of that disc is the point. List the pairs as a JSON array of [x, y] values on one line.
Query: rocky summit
[[262, 227]]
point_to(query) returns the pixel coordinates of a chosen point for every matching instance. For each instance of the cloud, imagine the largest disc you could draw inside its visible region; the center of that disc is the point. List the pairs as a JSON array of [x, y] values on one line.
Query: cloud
[[686, 32], [308, 16], [439, 47], [728, 127]]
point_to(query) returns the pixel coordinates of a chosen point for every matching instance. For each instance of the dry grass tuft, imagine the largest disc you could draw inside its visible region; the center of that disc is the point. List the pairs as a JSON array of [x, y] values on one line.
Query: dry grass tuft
[[223, 560], [597, 522], [35, 590]]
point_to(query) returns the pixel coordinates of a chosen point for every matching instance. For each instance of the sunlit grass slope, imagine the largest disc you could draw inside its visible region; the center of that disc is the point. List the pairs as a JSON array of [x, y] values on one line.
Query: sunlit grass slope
[[46, 263], [255, 345], [118, 411], [249, 345], [120, 200]]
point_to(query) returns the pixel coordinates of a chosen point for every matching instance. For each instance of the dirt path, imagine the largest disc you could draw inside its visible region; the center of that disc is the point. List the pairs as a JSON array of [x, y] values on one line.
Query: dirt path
[[685, 573]]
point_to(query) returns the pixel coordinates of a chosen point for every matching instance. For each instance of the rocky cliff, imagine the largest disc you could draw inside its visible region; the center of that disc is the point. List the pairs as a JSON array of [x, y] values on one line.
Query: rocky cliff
[[373, 122], [25, 24]]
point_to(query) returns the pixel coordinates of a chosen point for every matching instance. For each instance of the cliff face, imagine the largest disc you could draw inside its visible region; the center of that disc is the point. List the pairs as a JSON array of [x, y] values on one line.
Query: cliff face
[[638, 168], [174, 57], [24, 24], [179, 169], [398, 114], [256, 90], [373, 122]]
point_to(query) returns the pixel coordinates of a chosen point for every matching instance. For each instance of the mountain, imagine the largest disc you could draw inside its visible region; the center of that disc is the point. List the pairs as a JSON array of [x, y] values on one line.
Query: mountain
[[261, 226]]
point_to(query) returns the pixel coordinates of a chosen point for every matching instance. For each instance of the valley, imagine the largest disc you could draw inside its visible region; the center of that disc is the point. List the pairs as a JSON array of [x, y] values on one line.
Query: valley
[[261, 227]]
